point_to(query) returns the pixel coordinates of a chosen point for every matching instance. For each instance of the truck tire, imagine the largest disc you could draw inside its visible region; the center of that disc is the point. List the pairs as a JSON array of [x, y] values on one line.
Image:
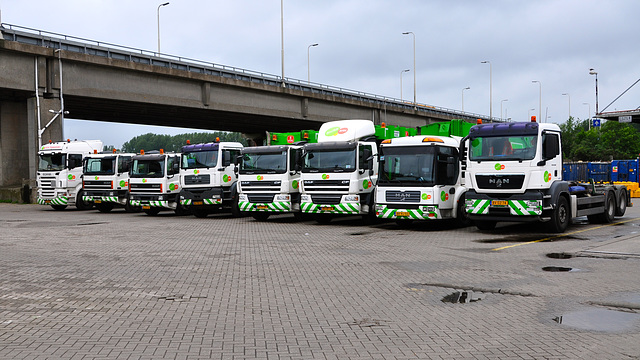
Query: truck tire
[[485, 224], [235, 208], [104, 208], [462, 218], [560, 217], [609, 211], [81, 204], [621, 207], [59, 207]]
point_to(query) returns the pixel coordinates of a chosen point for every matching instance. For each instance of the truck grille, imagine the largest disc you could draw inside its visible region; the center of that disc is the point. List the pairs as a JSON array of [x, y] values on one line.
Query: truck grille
[[402, 196], [260, 198], [197, 179], [47, 185], [151, 188], [261, 185], [507, 182], [326, 185], [329, 199], [97, 184]]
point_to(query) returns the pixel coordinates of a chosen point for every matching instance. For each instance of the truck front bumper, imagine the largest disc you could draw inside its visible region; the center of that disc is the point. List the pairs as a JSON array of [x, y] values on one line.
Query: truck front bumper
[[420, 212], [515, 207], [281, 204], [201, 197]]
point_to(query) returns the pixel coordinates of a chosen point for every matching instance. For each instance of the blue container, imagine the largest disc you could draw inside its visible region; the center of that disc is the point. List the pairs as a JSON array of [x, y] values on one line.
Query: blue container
[[584, 171], [624, 170]]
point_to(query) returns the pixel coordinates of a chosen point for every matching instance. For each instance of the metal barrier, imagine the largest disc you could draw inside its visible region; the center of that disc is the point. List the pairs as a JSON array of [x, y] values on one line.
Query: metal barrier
[[91, 47]]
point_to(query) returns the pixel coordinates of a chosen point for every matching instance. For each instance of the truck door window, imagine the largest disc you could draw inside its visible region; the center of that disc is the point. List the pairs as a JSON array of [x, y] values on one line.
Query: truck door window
[[363, 154], [75, 160]]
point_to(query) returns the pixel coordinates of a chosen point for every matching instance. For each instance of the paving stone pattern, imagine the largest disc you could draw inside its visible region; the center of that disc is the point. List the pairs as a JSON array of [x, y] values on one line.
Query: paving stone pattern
[[87, 285]]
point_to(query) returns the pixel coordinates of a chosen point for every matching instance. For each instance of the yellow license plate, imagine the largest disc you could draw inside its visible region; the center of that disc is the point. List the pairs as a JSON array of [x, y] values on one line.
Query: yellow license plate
[[146, 207], [198, 203], [402, 213], [327, 208], [47, 202], [262, 207], [97, 201], [499, 203]]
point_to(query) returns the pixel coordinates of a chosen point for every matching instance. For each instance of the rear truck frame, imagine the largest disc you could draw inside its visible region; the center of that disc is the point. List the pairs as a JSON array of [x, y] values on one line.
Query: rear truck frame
[[106, 180], [514, 173], [154, 182], [269, 180], [59, 176], [208, 178]]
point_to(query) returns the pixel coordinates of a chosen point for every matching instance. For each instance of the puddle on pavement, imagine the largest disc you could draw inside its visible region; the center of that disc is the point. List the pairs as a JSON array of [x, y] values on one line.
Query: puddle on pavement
[[463, 297], [600, 320], [558, 269], [559, 256], [527, 238]]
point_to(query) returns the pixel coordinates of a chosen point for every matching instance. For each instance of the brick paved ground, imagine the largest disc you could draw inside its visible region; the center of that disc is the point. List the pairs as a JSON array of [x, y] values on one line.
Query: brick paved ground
[[76, 285]]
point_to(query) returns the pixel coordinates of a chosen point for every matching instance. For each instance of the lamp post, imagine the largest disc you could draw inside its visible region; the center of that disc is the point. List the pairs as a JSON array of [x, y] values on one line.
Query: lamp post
[[529, 113], [569, 96], [309, 62], [540, 98], [589, 120], [467, 88], [402, 72], [282, 39], [159, 6], [502, 101], [490, 90], [593, 72], [415, 104]]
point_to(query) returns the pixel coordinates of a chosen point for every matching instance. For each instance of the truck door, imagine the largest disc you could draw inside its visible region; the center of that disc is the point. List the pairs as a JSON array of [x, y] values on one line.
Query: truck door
[[446, 176]]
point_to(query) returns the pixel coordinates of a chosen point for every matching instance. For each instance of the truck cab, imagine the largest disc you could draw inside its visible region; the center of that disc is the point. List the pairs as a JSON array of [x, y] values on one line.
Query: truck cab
[[420, 179], [208, 177], [154, 182], [106, 180], [340, 171], [59, 176], [269, 180]]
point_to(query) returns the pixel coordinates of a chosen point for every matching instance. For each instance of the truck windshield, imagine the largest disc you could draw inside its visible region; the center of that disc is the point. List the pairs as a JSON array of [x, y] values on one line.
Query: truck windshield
[[269, 163], [410, 165], [52, 162], [147, 168], [330, 161], [503, 148], [100, 166], [200, 159]]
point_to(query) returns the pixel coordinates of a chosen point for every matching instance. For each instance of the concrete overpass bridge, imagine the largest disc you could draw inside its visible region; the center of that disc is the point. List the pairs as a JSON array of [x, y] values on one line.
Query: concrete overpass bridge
[[107, 82]]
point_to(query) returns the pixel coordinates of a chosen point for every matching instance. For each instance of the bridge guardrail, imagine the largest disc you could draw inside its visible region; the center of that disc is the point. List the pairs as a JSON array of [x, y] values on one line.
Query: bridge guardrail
[[92, 47]]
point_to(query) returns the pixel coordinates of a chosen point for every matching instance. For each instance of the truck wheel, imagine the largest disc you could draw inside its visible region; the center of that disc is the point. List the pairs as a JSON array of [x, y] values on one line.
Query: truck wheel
[[608, 214], [152, 212], [560, 217], [462, 218], [81, 204], [105, 208], [485, 225], [59, 207], [235, 208], [260, 216], [130, 208], [622, 203]]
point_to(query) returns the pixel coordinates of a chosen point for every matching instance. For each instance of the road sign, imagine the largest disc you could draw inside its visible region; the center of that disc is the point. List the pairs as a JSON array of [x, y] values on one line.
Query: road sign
[[596, 122], [624, 119]]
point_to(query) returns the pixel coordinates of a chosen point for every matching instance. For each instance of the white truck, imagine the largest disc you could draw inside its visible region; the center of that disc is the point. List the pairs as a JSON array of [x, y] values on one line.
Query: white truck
[[209, 181], [106, 180], [154, 182], [420, 179], [339, 172], [59, 175], [514, 173], [269, 178]]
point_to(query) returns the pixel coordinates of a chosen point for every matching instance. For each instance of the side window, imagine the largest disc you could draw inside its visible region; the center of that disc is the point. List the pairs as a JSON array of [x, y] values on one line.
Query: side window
[[74, 161], [170, 161], [364, 153], [124, 164], [550, 145], [295, 155], [447, 166]]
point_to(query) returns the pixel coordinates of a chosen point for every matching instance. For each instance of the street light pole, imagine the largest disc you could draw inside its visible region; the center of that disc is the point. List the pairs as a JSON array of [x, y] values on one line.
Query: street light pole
[[415, 103], [282, 39], [593, 72], [589, 120], [467, 88], [490, 90], [529, 113], [502, 101], [540, 98], [309, 63], [159, 6], [569, 96], [402, 72]]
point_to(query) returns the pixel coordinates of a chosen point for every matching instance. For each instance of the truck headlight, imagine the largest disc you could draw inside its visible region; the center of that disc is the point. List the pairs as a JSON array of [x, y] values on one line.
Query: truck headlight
[[242, 197], [305, 198], [351, 198], [160, 198], [283, 197]]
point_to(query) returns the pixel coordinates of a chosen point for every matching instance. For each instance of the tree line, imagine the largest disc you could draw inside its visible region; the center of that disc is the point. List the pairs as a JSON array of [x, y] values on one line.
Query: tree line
[[174, 143], [613, 140]]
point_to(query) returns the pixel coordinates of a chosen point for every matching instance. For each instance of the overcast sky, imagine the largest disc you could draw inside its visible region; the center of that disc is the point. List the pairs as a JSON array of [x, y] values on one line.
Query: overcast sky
[[361, 47]]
